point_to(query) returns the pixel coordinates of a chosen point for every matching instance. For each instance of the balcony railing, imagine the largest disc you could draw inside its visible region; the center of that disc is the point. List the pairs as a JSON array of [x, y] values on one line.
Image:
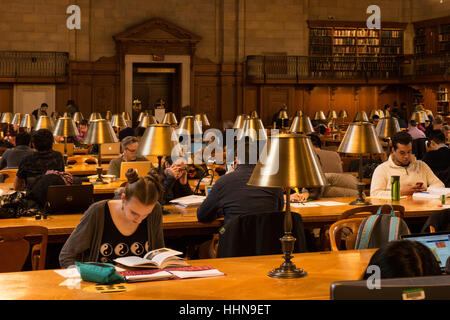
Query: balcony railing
[[302, 68], [14, 64]]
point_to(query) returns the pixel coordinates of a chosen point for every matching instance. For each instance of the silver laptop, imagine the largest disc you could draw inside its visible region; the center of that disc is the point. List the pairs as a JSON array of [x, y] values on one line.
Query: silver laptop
[[110, 148]]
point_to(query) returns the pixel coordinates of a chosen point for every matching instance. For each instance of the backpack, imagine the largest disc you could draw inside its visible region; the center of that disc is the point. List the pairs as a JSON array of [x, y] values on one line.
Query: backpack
[[379, 229]]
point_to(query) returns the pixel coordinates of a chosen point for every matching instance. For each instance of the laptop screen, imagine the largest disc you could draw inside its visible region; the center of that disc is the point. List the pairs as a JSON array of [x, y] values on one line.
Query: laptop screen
[[438, 243]]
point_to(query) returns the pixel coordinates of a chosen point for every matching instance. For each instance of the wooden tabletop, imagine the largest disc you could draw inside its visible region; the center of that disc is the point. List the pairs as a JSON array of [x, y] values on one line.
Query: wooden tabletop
[[85, 169], [245, 279]]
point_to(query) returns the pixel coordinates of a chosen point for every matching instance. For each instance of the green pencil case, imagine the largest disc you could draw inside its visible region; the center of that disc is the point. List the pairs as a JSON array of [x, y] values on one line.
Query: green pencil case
[[103, 273]]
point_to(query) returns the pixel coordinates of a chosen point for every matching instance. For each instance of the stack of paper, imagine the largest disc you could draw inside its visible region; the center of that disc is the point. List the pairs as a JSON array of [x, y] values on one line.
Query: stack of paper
[[189, 201]]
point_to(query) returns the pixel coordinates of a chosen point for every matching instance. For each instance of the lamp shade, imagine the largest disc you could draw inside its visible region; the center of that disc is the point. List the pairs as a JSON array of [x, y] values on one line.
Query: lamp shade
[[118, 121], [386, 127], [283, 115], [254, 114], [332, 115], [95, 116], [28, 121], [291, 162], [7, 117], [108, 115], [386, 113], [203, 118], [191, 125], [301, 124], [419, 116], [361, 116], [65, 127], [78, 117], [240, 120], [319, 115], [429, 112], [66, 115], [147, 120], [44, 122], [254, 129], [383, 114], [169, 118], [374, 112], [126, 116], [100, 131], [157, 141], [142, 115], [17, 119], [360, 138], [343, 114], [298, 113]]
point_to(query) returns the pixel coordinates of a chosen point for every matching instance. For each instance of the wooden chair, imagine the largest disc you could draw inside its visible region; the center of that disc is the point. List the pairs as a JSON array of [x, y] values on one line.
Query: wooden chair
[[348, 227], [14, 248], [8, 175], [369, 210], [80, 159]]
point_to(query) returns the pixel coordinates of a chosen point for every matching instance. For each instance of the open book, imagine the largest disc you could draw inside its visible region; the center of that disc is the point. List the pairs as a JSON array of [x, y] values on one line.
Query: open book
[[432, 193], [159, 258], [171, 273], [189, 201]]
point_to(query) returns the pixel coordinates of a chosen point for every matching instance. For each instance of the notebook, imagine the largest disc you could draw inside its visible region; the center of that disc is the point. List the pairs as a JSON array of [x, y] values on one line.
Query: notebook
[[142, 168], [60, 148], [438, 243], [62, 199], [110, 148]]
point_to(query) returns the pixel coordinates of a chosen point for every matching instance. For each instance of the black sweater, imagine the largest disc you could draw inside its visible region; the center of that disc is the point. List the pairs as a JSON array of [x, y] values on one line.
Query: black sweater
[[438, 160], [234, 197]]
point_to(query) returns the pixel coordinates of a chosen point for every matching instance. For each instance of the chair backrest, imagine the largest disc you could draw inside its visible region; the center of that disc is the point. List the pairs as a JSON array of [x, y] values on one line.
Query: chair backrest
[[437, 221], [369, 210], [419, 148], [258, 234], [8, 175], [14, 248], [80, 159], [347, 227]]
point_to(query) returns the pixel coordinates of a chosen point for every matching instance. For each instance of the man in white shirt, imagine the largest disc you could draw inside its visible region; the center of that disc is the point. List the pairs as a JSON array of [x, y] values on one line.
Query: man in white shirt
[[415, 175], [415, 132]]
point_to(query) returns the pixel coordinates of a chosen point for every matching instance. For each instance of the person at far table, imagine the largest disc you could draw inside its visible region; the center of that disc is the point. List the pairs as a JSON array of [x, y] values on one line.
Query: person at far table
[[330, 160], [403, 259], [38, 162], [109, 229], [12, 157], [129, 148], [42, 111], [438, 157], [414, 131], [232, 196], [126, 131], [174, 180], [415, 175]]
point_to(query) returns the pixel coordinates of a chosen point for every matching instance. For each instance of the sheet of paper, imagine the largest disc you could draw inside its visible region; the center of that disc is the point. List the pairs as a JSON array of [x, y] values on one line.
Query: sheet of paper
[[68, 273], [331, 203], [304, 205], [197, 274]]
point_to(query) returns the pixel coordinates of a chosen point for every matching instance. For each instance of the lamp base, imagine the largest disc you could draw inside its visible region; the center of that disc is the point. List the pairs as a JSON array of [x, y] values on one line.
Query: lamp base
[[287, 273], [360, 202]]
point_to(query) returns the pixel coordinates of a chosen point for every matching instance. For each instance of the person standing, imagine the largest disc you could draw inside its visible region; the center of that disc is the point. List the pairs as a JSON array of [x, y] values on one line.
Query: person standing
[[41, 111]]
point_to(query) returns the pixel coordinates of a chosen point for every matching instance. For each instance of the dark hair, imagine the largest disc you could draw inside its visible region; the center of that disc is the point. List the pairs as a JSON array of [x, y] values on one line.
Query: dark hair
[[139, 131], [42, 140], [315, 139], [44, 105], [23, 139], [147, 189], [401, 137], [375, 116], [436, 135], [413, 123], [404, 258], [128, 140], [70, 102], [321, 128], [84, 122]]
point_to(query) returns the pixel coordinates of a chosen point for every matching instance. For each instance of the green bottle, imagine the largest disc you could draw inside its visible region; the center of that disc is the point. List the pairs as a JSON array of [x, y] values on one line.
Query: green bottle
[[395, 188]]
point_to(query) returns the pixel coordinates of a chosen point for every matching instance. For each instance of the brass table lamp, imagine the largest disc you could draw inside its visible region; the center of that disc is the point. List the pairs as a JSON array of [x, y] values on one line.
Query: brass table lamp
[[291, 162], [44, 122], [142, 115], [17, 119], [360, 138], [283, 115], [240, 120], [28, 122], [203, 118], [253, 129], [95, 116], [98, 132], [108, 115], [7, 118], [254, 114], [118, 121], [193, 128], [298, 113], [147, 120], [65, 127], [386, 128], [332, 116], [78, 117], [343, 114], [157, 141], [126, 116], [419, 116], [319, 115], [170, 119], [361, 116], [301, 124]]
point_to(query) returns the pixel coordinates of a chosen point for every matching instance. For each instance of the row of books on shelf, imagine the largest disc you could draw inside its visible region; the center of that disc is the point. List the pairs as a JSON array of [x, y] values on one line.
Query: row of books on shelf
[[391, 33], [391, 42], [444, 37], [327, 32], [444, 28]]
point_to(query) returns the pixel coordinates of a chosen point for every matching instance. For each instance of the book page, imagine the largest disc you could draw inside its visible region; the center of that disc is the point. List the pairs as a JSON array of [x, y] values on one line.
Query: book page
[[197, 274], [159, 255], [132, 261]]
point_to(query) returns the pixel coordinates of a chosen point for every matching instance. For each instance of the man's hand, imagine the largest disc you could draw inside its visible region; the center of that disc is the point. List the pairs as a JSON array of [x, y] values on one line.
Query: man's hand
[[410, 189]]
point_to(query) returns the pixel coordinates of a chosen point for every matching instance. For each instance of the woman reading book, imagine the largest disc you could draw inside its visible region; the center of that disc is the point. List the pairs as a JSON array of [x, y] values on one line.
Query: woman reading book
[[109, 229]]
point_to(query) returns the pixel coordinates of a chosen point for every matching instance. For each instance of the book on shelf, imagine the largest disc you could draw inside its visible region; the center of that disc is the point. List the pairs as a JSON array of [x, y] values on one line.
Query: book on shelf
[[170, 273], [159, 258]]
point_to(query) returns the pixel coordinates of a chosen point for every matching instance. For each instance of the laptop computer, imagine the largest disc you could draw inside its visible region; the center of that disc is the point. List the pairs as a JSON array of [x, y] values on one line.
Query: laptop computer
[[415, 288], [438, 243], [63, 199], [110, 148], [142, 168], [60, 148]]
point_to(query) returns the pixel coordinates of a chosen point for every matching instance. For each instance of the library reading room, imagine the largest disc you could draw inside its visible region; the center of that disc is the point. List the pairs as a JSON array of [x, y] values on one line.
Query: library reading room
[[212, 150]]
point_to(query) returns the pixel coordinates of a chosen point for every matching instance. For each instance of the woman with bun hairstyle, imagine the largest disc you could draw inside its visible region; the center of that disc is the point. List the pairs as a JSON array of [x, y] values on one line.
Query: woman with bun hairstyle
[[129, 225]]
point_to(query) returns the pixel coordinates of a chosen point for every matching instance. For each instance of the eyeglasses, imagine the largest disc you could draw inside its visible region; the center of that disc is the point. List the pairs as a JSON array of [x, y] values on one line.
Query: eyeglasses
[[131, 151]]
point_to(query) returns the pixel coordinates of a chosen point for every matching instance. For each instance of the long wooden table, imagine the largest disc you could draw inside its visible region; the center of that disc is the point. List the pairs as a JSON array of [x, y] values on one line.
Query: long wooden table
[[245, 279]]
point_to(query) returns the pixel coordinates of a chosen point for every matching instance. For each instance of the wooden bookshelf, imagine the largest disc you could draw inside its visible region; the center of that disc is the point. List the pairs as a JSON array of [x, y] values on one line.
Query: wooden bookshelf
[[444, 38], [432, 36]]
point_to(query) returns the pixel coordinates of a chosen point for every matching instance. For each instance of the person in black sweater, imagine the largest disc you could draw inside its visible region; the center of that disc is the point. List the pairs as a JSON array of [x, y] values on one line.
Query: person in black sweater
[[438, 157]]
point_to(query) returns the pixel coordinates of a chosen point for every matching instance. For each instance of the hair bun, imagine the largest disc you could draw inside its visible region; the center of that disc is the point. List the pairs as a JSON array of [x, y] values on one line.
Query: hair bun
[[131, 175]]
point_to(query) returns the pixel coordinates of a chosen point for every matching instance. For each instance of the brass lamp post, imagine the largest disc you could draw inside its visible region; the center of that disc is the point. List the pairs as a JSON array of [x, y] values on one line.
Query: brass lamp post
[[28, 122], [291, 162], [98, 132], [65, 127], [301, 124], [283, 115], [157, 141], [360, 138]]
